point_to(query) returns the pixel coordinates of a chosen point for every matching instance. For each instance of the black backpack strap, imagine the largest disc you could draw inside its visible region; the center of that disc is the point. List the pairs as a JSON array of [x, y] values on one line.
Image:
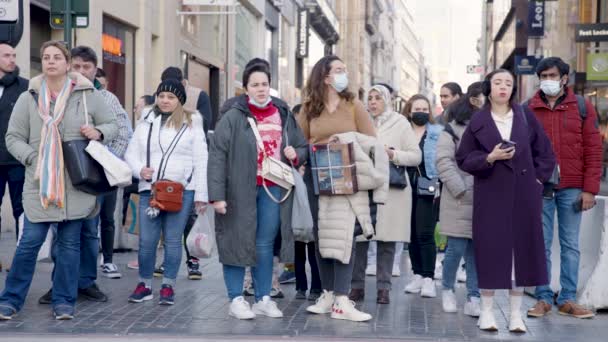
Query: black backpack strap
[[450, 130], [582, 106]]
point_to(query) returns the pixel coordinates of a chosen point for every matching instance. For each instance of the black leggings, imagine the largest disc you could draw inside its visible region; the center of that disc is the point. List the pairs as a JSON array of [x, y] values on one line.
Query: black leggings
[[422, 248]]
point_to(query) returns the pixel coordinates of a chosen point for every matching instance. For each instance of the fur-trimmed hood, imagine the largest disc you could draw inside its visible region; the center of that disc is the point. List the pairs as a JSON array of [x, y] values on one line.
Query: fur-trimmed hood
[[82, 83]]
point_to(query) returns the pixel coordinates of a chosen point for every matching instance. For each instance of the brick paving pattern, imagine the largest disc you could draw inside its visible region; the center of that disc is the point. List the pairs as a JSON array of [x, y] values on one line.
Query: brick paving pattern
[[201, 309]]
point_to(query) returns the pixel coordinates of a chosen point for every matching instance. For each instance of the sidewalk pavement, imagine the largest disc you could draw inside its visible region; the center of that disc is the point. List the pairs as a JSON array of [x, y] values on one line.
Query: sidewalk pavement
[[201, 313]]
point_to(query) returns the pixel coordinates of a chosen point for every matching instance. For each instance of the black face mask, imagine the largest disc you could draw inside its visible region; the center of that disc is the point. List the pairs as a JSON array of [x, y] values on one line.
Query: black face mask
[[420, 118]]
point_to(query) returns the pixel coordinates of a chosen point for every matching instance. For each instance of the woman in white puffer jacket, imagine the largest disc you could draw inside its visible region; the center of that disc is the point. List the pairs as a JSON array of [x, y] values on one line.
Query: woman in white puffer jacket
[[178, 153]]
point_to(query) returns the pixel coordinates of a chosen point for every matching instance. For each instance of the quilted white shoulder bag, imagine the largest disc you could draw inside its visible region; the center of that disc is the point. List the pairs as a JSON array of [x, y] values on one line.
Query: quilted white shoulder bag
[[273, 169]]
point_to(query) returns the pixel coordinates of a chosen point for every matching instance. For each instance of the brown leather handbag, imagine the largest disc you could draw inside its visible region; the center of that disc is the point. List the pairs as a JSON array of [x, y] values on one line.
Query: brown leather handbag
[[167, 195]]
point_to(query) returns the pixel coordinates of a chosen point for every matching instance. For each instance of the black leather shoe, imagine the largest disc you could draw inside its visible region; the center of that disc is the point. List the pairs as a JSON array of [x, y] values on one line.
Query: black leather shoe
[[93, 293], [47, 298]]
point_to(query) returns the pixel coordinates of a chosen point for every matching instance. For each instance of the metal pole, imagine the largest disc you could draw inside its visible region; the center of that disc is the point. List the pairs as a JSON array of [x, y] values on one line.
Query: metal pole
[[67, 23]]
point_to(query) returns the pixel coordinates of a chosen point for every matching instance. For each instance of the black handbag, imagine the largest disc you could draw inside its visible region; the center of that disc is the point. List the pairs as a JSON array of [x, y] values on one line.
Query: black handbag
[[86, 173], [397, 177], [426, 186]]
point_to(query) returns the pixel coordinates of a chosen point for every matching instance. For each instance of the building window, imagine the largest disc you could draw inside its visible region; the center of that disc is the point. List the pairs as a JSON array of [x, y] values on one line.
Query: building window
[[245, 29]]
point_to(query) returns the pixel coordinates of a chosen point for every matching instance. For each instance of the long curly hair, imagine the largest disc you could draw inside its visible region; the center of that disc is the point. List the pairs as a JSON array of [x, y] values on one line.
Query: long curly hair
[[315, 90]]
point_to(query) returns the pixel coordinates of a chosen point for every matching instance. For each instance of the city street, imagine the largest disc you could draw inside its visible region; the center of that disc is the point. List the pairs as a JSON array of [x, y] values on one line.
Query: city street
[[201, 313]]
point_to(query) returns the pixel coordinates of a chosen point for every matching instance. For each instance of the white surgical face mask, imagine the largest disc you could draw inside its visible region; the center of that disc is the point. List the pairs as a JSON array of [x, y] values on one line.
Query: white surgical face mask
[[340, 82], [253, 102], [550, 87]]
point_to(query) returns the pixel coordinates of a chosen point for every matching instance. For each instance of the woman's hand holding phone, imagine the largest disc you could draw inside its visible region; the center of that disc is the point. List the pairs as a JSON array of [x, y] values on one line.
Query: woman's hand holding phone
[[500, 153]]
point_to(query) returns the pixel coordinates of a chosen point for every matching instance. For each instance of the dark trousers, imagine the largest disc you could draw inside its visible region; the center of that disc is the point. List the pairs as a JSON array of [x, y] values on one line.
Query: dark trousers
[[301, 248], [384, 265], [107, 204], [14, 175], [422, 248]]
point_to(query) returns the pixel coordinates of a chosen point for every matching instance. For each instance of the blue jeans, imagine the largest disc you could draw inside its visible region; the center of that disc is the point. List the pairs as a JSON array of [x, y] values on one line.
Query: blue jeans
[[65, 276], [268, 224], [569, 223], [89, 252], [172, 225], [457, 248]]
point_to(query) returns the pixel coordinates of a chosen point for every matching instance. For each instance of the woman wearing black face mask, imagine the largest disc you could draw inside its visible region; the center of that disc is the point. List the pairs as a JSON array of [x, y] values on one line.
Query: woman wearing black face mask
[[424, 178]]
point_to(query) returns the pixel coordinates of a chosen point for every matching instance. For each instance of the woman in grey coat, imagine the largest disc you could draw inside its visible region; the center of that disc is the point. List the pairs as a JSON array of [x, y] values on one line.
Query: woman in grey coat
[[456, 212], [248, 218], [51, 112]]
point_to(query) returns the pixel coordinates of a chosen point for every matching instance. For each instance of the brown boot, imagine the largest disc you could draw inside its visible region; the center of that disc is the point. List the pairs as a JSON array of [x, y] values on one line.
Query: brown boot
[[572, 309], [540, 309], [356, 295], [383, 297]]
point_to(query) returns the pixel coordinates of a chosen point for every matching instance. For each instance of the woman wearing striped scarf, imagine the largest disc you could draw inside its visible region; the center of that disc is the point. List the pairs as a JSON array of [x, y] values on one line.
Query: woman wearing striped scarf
[[52, 111]]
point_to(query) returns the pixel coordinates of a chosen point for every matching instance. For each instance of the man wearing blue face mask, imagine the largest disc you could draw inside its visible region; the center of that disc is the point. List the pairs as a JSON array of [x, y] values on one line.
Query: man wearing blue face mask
[[571, 123]]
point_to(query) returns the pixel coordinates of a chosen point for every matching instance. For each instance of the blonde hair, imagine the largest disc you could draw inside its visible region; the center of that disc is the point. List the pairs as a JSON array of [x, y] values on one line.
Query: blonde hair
[[59, 45], [179, 116]]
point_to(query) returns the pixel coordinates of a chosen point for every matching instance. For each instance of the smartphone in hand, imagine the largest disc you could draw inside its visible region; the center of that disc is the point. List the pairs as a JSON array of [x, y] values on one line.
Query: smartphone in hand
[[506, 144]]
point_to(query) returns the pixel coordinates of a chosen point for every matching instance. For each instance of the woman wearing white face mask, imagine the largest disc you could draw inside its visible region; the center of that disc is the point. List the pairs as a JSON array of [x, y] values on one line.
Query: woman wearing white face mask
[[329, 108], [248, 218]]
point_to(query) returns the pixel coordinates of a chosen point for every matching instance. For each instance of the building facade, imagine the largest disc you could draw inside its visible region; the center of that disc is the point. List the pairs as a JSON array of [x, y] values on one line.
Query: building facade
[[521, 29]]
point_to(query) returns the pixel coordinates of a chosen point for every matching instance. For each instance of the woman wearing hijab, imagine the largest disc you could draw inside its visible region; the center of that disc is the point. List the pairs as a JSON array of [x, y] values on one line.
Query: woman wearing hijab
[[393, 218]]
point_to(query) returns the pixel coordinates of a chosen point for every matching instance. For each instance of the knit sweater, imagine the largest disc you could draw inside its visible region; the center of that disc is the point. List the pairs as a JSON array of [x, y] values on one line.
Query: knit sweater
[[269, 125], [349, 116]]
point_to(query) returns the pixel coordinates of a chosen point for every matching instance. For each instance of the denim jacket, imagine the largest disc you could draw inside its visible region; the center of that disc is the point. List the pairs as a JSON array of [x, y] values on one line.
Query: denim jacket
[[430, 149]]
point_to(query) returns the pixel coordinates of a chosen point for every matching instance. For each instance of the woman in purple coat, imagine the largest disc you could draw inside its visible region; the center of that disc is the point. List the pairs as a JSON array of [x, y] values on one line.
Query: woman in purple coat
[[506, 150]]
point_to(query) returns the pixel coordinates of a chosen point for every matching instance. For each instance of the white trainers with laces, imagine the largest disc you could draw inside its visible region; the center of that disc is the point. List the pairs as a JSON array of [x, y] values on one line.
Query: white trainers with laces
[[415, 285], [239, 308], [428, 288], [472, 307], [448, 301], [110, 271], [344, 308], [323, 304], [267, 308]]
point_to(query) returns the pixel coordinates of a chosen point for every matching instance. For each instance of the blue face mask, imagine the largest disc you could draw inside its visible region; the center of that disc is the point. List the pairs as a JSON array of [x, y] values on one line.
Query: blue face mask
[[340, 82], [253, 102]]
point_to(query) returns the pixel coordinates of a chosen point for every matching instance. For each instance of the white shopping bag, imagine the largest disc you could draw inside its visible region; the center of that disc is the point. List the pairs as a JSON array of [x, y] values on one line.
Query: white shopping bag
[[45, 251], [117, 170], [201, 240]]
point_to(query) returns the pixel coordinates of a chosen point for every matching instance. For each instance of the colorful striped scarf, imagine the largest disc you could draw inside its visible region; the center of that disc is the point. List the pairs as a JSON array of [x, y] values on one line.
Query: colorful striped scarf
[[50, 169]]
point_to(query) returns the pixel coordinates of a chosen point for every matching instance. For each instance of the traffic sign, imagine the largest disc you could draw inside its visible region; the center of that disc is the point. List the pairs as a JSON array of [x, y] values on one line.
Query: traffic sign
[[78, 8]]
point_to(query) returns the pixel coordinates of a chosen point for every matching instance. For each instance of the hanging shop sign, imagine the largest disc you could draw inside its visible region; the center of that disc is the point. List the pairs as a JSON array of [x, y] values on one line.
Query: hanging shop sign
[[302, 50], [597, 67], [526, 65], [536, 19], [591, 32]]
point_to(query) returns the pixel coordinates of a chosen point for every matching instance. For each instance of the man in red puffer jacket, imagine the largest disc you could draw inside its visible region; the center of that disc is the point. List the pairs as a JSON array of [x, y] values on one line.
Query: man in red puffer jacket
[[571, 123]]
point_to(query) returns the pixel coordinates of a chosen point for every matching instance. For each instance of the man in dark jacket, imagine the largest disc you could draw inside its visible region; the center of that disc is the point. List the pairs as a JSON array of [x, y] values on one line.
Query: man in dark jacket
[[11, 171], [571, 123]]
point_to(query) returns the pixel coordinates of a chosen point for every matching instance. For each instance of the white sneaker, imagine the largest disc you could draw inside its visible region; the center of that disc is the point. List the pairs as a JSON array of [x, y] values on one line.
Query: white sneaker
[[415, 285], [461, 275], [239, 308], [370, 270], [472, 307], [110, 271], [516, 323], [448, 301], [428, 288], [396, 271], [324, 303], [344, 308], [267, 308]]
